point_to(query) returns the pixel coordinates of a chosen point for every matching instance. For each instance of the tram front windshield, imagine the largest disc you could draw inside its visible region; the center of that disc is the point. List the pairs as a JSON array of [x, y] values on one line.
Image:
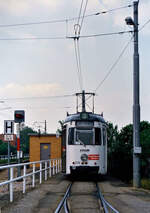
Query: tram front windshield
[[84, 137]]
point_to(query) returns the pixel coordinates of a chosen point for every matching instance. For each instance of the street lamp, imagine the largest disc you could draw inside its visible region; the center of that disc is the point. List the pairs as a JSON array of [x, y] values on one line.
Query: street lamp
[[136, 104]]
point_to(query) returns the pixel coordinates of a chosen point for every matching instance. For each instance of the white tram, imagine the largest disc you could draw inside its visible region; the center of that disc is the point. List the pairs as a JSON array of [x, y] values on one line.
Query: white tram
[[84, 142]]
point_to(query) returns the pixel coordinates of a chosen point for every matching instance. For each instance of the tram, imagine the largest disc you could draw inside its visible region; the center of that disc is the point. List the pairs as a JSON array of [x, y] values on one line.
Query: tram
[[84, 141]]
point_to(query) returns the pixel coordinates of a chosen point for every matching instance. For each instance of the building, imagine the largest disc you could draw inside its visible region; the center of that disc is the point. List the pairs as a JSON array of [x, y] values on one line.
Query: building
[[44, 147], [13, 143]]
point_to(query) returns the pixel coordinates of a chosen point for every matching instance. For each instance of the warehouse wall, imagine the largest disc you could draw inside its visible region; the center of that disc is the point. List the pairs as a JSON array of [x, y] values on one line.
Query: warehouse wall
[[36, 140]]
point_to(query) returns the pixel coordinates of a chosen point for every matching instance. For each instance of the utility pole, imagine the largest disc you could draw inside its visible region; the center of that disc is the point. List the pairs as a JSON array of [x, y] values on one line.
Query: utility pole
[[136, 104], [136, 99]]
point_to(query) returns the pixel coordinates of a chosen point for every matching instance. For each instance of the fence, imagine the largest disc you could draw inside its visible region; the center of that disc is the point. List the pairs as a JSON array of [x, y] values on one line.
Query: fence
[[5, 157], [49, 167]]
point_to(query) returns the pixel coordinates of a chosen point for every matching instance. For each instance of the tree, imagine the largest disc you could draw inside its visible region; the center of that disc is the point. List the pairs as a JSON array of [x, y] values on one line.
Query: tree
[[24, 138], [59, 130], [121, 151], [4, 148]]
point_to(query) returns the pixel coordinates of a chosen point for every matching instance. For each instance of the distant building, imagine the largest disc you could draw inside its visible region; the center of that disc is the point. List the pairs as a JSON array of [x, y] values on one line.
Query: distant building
[[44, 147], [13, 143]]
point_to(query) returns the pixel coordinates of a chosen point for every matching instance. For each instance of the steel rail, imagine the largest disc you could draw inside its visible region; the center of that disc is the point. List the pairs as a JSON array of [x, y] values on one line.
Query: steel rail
[[104, 202], [63, 202]]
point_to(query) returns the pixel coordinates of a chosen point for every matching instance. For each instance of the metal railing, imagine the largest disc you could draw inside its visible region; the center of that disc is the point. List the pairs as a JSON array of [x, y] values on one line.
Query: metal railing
[[5, 157], [49, 167]]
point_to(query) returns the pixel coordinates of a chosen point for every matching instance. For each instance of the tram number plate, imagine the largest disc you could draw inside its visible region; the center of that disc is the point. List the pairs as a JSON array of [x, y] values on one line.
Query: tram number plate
[[77, 162]]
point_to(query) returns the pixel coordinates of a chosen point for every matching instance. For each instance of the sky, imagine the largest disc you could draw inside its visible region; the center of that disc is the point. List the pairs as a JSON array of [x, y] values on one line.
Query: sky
[[47, 67]]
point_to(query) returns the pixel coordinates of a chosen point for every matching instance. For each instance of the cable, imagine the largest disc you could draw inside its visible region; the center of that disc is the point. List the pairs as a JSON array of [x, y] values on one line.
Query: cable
[[78, 63], [101, 34], [80, 12], [114, 64], [83, 16], [65, 37], [40, 38], [35, 98], [147, 22], [64, 20], [79, 59]]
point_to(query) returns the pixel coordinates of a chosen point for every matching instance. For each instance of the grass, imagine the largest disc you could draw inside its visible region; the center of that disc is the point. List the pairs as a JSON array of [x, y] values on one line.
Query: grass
[[12, 161], [145, 183]]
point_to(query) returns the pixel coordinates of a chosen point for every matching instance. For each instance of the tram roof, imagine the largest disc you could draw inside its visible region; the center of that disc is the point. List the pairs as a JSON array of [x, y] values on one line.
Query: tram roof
[[91, 117]]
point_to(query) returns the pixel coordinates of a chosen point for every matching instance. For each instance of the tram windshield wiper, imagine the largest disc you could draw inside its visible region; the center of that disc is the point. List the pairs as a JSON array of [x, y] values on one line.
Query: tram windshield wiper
[[80, 141]]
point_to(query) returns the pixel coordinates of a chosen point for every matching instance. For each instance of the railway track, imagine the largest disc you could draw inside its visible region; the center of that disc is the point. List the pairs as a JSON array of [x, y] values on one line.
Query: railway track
[[84, 197]]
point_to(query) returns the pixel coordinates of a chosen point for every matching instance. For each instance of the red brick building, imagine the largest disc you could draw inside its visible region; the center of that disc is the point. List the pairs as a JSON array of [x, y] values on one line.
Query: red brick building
[[13, 143]]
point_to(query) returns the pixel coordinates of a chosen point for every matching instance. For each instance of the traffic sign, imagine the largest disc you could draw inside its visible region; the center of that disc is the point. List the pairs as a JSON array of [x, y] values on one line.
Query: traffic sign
[[8, 137], [8, 127]]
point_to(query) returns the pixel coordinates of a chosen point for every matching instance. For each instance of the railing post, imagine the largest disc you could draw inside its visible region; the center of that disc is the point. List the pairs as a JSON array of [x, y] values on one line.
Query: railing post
[[53, 167], [56, 166], [50, 168], [33, 176], [11, 184], [46, 170], [40, 173], [59, 165], [24, 179]]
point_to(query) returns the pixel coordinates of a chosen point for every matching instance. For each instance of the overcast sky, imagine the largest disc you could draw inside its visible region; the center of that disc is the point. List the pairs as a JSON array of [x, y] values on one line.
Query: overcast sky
[[39, 68]]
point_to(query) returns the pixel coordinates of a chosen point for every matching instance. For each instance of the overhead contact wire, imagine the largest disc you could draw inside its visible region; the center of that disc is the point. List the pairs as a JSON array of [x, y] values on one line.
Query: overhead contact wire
[[114, 65], [64, 20], [77, 62]]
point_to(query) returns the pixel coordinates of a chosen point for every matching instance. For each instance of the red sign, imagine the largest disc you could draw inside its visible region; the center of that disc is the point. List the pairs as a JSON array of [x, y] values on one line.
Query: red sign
[[93, 157]]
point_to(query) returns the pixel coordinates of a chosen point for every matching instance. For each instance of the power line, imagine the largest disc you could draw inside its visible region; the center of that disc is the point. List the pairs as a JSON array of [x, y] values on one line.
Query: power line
[[147, 22], [114, 65], [36, 98], [80, 12], [83, 15], [64, 20], [100, 34], [65, 37], [78, 62], [32, 38]]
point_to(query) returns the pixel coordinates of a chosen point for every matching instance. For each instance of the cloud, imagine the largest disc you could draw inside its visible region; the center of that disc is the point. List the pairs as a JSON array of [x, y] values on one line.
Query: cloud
[[23, 6], [30, 90]]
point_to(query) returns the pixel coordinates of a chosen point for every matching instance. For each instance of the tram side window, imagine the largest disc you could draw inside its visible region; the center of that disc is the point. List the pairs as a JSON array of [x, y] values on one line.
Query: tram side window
[[71, 136], [104, 136], [98, 140]]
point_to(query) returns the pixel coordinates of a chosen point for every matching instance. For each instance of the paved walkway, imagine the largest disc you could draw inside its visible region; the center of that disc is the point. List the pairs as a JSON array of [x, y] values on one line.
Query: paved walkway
[[126, 199]]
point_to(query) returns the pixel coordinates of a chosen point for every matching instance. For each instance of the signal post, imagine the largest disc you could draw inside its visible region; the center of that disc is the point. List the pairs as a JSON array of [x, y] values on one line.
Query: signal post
[[19, 117]]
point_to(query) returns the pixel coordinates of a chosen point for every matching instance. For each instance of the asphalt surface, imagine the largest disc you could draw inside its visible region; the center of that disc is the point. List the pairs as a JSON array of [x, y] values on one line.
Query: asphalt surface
[[45, 198]]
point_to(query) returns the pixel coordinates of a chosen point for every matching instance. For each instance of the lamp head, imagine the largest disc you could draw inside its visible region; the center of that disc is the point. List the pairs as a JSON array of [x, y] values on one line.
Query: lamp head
[[129, 21]]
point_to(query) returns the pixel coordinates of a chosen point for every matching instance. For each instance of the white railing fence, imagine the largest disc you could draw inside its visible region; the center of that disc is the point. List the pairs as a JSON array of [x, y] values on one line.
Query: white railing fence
[[43, 168]]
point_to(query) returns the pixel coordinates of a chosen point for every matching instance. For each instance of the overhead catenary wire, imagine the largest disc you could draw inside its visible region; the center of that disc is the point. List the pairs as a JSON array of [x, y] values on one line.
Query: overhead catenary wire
[[147, 22], [78, 64], [82, 19], [36, 98], [77, 30], [66, 37], [65, 20], [114, 65]]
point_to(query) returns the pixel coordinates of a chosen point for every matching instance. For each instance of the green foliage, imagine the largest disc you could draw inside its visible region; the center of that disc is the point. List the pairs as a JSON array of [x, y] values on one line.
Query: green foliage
[[61, 126], [145, 183], [24, 138], [120, 150], [4, 148]]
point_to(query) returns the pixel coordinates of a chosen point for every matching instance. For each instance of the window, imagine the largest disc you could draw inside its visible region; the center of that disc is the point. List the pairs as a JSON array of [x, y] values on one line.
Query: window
[[71, 136], [104, 135], [84, 137], [98, 140]]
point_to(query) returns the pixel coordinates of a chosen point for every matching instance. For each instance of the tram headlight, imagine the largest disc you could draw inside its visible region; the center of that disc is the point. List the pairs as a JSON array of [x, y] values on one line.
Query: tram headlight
[[84, 157]]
